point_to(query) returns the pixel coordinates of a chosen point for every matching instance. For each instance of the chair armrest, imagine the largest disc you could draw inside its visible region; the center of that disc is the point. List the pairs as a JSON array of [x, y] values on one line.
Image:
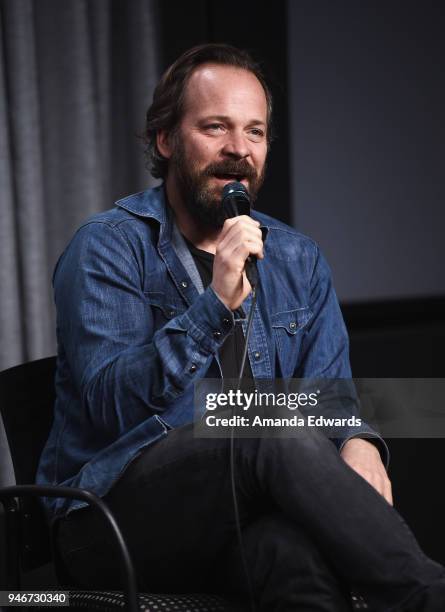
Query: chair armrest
[[9, 493]]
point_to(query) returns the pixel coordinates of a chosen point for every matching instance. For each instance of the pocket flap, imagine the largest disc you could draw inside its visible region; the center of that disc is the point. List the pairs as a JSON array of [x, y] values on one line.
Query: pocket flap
[[292, 320], [170, 306]]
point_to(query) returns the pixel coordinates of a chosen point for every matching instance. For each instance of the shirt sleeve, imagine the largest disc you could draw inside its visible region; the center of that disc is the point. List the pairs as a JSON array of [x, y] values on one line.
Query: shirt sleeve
[[122, 369]]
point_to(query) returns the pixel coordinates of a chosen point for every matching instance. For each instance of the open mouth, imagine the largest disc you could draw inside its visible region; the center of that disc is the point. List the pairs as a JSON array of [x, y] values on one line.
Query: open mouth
[[230, 177]]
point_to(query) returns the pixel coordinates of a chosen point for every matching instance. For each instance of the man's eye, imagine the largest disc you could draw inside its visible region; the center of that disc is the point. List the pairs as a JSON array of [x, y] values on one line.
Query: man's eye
[[214, 127], [257, 132]]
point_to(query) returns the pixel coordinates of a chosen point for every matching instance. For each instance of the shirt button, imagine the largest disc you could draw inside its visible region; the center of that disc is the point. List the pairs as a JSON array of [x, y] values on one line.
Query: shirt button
[[257, 355], [226, 321], [184, 284], [171, 313], [292, 325], [192, 368], [217, 334]]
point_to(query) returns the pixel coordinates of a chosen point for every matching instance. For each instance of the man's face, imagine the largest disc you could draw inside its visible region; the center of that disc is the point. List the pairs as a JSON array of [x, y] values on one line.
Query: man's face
[[221, 138]]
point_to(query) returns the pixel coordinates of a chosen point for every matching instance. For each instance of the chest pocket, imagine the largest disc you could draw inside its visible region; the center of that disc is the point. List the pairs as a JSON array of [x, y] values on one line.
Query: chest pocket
[[164, 307], [288, 328]]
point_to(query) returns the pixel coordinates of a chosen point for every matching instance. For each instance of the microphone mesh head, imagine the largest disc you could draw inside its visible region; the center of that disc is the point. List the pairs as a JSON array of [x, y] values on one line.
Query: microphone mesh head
[[235, 189], [235, 200]]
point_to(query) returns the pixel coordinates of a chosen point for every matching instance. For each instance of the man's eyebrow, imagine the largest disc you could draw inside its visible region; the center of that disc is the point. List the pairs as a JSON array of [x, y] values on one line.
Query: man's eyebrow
[[214, 118], [228, 119], [257, 122]]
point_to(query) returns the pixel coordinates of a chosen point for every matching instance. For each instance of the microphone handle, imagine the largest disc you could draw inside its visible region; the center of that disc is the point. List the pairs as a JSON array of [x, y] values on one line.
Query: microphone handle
[[234, 206]]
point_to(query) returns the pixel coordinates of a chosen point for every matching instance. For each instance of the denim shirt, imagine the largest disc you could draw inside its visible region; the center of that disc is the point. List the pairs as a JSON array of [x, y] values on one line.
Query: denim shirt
[[136, 329]]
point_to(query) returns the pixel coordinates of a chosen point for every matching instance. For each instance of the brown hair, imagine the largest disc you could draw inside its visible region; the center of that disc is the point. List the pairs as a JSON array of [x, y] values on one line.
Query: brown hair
[[167, 107]]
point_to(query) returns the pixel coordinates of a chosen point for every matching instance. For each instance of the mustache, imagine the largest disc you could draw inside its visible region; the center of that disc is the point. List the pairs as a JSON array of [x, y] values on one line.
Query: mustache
[[241, 169]]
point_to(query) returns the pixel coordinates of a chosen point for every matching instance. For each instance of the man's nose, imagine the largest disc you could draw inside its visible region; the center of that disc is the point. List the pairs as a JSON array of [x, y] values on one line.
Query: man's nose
[[236, 145]]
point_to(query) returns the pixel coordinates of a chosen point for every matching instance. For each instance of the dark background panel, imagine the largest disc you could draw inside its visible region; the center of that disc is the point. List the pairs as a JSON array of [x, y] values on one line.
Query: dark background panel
[[406, 339], [367, 93]]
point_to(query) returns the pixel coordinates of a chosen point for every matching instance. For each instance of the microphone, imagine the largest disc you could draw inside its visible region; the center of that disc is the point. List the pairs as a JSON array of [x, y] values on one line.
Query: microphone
[[236, 201]]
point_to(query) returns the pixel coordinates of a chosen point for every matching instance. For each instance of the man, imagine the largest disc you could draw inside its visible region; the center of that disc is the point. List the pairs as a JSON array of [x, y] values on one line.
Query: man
[[150, 297]]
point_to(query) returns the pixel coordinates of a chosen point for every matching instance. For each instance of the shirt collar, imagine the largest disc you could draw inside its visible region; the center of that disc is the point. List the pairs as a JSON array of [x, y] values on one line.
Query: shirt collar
[[150, 203]]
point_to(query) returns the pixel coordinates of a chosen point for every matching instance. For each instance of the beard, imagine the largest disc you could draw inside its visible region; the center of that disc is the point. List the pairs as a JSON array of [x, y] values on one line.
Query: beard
[[201, 199]]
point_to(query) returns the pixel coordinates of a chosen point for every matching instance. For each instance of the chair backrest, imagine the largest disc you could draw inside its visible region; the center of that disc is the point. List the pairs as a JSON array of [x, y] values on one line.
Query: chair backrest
[[27, 395]]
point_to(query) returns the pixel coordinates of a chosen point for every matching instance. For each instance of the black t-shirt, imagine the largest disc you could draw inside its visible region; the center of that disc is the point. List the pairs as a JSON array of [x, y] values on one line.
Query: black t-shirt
[[231, 352]]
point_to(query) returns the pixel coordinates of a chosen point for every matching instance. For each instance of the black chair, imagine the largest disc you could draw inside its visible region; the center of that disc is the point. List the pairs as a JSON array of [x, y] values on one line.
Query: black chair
[[26, 410]]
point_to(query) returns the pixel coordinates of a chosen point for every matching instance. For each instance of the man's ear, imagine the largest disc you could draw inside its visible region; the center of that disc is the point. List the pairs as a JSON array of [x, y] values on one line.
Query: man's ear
[[163, 143]]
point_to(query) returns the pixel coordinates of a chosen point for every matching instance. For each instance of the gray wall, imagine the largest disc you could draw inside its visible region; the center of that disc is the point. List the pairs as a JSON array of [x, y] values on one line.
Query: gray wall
[[367, 100]]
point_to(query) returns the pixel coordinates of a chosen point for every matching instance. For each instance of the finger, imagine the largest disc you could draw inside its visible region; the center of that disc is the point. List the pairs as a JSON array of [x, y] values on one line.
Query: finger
[[370, 476], [382, 484], [371, 479], [248, 219], [238, 235], [228, 223], [242, 220], [239, 248], [240, 224], [252, 247], [241, 233], [388, 492]]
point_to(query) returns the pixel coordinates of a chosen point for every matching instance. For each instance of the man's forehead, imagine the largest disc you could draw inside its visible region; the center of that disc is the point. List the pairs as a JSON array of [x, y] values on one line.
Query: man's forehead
[[214, 85]]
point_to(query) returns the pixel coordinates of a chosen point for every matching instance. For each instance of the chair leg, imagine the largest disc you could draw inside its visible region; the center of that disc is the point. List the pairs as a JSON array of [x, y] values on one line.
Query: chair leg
[[11, 528]]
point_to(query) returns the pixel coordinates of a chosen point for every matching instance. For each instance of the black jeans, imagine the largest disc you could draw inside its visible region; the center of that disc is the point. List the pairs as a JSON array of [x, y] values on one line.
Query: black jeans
[[313, 529]]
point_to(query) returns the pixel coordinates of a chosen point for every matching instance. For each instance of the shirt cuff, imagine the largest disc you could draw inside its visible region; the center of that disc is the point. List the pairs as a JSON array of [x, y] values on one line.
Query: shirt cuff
[[208, 321]]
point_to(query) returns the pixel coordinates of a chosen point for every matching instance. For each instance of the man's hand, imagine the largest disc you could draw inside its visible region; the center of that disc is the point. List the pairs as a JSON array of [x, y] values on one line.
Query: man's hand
[[363, 457], [240, 237]]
